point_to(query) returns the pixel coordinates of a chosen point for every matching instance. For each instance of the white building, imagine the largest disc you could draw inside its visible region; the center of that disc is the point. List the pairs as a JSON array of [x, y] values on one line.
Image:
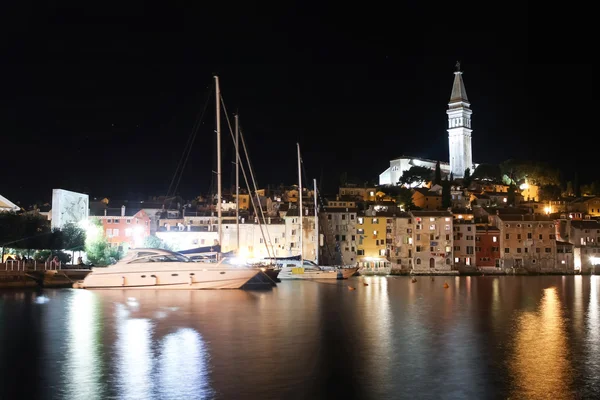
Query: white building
[[7, 205], [459, 140], [292, 233], [253, 240]]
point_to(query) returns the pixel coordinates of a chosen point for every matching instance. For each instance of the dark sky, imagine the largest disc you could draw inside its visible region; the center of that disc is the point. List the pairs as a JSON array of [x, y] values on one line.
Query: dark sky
[[102, 98]]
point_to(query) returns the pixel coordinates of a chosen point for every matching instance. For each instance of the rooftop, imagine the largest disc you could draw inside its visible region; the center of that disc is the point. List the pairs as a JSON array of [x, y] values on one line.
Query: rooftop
[[427, 213]]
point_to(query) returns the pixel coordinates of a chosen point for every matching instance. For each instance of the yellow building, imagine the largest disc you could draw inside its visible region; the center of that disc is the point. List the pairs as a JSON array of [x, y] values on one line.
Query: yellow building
[[363, 193], [426, 199], [245, 199], [587, 205], [372, 235], [530, 192]]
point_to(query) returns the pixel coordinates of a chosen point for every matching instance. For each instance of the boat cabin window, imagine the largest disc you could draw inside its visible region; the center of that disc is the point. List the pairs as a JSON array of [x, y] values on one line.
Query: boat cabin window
[[309, 263], [160, 258]]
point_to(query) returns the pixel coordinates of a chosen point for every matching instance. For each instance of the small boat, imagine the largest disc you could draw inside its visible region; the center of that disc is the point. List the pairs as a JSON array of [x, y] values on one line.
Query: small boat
[[290, 271], [163, 269]]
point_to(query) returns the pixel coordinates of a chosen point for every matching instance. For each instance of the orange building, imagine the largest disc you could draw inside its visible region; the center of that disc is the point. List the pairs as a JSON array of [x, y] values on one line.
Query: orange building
[[125, 225]]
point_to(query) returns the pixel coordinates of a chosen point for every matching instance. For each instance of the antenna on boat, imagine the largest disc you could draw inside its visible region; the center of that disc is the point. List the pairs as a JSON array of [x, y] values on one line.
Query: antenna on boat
[[316, 223], [300, 211], [218, 121], [237, 182]]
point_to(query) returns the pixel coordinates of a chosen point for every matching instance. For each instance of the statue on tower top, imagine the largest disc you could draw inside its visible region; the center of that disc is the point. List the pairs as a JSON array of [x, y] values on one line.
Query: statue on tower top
[[457, 66]]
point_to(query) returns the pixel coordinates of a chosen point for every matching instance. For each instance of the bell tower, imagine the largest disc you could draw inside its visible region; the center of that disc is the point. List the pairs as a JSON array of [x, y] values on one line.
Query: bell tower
[[459, 127]]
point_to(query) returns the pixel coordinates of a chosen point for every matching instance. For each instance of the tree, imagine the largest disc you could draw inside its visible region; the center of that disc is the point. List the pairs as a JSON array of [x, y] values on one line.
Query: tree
[[467, 178], [536, 173], [97, 248], [404, 198], [438, 174], [570, 191], [73, 238], [489, 172], [549, 192], [511, 197], [415, 175], [446, 195], [154, 242]]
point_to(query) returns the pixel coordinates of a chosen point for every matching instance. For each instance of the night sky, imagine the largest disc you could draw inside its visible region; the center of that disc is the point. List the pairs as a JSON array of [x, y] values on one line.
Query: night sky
[[102, 99]]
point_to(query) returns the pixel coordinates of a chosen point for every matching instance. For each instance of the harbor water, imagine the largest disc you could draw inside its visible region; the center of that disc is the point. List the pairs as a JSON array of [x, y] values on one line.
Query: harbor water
[[518, 337]]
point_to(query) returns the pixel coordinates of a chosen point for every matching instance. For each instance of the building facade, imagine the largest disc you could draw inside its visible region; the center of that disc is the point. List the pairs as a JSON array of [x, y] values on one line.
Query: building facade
[[432, 240], [338, 226], [487, 247], [527, 242]]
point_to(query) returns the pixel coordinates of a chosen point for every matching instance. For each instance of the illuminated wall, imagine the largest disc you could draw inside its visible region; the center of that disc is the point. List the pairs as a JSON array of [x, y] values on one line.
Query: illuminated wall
[[68, 207]]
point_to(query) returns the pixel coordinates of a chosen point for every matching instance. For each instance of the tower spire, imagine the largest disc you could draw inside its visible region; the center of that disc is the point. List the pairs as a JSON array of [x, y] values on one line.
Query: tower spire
[[459, 94], [459, 127]]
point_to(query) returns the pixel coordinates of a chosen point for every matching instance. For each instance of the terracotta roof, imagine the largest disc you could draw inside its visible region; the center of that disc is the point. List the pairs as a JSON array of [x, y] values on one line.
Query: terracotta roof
[[525, 217], [483, 229], [431, 213], [339, 210], [427, 192], [585, 224], [558, 242]]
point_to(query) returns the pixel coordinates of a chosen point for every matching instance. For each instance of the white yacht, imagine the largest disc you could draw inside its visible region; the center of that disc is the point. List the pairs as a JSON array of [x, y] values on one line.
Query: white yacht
[[306, 269], [162, 269]]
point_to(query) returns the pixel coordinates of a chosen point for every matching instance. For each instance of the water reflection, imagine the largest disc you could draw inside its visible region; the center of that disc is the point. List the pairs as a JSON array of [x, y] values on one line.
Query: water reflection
[[578, 312], [183, 366], [135, 361], [483, 338], [84, 364], [592, 375], [540, 365]]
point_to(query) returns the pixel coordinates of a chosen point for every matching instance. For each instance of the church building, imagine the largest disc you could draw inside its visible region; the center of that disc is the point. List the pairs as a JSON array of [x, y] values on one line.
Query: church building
[[459, 140]]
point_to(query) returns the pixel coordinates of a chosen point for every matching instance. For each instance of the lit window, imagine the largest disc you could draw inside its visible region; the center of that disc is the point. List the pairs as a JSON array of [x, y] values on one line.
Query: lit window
[[448, 219], [432, 219], [375, 233], [360, 220], [456, 260], [494, 239], [447, 227], [432, 227]]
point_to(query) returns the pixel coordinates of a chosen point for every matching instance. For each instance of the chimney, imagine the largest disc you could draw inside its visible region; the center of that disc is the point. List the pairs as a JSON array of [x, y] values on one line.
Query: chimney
[[105, 212], [122, 211]]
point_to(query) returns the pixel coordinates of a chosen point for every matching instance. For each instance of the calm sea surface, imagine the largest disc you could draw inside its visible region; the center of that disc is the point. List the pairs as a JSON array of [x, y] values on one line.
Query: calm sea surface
[[482, 338]]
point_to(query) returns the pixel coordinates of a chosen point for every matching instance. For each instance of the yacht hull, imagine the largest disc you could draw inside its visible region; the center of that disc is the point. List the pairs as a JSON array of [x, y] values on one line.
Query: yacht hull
[[176, 279], [302, 274]]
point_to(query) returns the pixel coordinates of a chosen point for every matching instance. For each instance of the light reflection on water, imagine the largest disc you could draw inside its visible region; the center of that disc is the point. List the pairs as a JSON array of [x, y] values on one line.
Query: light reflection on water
[[540, 364], [483, 337]]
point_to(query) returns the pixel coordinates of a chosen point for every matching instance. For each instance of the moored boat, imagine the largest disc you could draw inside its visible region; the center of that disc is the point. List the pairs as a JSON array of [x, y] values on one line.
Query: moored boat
[[163, 269]]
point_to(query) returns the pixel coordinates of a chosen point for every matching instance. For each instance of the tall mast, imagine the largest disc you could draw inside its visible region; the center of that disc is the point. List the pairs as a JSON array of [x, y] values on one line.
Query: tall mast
[[218, 118], [316, 223], [300, 213], [237, 181]]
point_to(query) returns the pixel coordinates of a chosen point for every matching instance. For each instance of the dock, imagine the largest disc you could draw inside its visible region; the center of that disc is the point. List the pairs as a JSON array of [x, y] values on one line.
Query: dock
[[13, 275]]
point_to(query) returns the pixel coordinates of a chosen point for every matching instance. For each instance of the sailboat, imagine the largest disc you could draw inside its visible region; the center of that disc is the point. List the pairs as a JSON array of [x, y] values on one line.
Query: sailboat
[[161, 269], [306, 269]]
